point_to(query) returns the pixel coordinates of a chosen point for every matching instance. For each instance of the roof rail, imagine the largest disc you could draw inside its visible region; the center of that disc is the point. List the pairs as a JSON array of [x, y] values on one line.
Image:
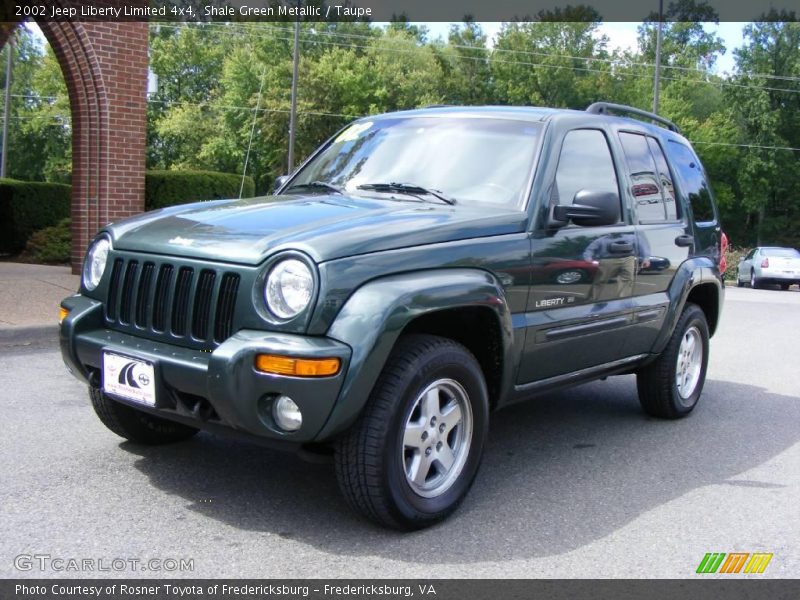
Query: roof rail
[[603, 108]]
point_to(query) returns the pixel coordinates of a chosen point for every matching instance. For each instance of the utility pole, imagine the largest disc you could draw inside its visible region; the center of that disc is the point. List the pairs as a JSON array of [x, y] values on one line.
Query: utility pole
[[293, 113], [658, 55], [7, 104]]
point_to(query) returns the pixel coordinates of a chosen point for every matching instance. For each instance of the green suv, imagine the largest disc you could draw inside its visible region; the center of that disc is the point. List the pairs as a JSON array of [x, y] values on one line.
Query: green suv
[[418, 271]]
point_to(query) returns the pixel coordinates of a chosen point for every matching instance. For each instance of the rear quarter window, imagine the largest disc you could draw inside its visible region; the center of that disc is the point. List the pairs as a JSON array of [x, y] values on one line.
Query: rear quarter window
[[693, 181]]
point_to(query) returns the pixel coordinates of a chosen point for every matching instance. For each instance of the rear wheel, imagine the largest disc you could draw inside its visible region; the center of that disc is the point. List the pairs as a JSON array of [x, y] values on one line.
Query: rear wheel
[[785, 286], [136, 425], [670, 386], [412, 456], [753, 281]]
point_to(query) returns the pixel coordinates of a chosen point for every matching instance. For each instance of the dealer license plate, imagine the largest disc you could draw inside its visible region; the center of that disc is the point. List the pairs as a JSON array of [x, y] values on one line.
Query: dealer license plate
[[131, 378]]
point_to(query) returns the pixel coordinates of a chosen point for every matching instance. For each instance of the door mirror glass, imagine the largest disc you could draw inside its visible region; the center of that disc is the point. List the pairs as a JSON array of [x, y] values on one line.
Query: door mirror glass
[[590, 208], [279, 181]]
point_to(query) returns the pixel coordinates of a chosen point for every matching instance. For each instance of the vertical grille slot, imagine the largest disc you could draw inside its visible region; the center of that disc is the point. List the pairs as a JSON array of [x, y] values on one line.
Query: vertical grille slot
[[126, 300], [180, 305], [143, 297], [223, 322], [202, 304], [163, 284], [113, 290]]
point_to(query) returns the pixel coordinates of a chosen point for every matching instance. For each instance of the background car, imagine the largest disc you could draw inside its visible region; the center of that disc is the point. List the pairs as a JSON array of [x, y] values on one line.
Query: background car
[[767, 265]]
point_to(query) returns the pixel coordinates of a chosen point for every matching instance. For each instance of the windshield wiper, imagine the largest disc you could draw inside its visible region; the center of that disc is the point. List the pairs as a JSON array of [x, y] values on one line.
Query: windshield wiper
[[407, 188], [319, 185]]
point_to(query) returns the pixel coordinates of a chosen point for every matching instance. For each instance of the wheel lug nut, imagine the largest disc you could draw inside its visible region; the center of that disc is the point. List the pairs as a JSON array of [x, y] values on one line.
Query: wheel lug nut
[[428, 451], [424, 435], [433, 421], [441, 428], [438, 446]]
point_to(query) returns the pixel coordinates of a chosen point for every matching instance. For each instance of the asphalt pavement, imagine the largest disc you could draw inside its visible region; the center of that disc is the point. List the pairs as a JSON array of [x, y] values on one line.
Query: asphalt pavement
[[576, 484]]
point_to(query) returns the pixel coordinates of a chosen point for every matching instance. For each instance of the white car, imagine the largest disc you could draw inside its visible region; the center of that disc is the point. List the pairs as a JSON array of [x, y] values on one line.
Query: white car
[[765, 265]]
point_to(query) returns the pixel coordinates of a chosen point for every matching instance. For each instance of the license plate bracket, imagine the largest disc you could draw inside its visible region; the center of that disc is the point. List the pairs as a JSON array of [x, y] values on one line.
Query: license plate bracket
[[129, 377]]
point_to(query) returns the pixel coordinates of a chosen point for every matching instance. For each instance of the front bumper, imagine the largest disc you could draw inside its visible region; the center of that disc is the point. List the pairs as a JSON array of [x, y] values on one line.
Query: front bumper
[[211, 390]]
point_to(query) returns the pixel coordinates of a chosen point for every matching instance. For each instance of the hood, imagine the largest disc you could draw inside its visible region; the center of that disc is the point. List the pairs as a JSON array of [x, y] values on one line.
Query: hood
[[323, 226]]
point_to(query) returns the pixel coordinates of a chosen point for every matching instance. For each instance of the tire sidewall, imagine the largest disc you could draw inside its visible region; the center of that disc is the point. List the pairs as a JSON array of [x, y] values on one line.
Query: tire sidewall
[[447, 363]]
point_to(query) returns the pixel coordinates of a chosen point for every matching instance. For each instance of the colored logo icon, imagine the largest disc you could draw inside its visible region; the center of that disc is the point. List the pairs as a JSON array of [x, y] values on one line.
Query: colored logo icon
[[734, 562]]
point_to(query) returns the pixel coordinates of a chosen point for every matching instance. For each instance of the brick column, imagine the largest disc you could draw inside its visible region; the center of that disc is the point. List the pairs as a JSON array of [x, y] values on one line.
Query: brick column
[[105, 68]]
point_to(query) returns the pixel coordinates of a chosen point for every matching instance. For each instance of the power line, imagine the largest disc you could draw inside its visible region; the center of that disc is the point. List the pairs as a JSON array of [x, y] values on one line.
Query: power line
[[346, 116], [748, 146]]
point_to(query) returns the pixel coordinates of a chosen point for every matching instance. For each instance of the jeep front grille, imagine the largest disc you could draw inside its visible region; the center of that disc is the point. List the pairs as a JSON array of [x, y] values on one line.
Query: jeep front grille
[[166, 301]]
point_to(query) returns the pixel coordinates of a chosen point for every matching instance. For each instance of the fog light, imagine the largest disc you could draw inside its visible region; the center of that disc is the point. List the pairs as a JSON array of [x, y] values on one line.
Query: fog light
[[287, 414]]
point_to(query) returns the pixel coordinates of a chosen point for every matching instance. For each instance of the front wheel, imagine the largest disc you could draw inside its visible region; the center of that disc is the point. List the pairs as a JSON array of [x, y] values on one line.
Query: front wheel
[[670, 386], [412, 456]]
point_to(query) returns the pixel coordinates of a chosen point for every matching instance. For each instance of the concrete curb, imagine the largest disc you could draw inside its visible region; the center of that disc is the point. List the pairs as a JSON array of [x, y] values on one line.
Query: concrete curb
[[33, 334]]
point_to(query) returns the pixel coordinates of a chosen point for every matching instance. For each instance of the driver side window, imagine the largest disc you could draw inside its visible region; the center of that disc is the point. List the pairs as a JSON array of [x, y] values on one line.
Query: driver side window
[[585, 163]]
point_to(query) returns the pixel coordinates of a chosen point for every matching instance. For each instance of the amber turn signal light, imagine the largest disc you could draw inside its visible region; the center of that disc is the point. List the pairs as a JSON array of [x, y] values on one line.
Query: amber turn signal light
[[62, 314], [297, 367]]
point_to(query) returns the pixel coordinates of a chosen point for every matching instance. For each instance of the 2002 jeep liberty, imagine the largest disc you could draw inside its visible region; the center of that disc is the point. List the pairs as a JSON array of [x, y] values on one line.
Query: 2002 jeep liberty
[[418, 271]]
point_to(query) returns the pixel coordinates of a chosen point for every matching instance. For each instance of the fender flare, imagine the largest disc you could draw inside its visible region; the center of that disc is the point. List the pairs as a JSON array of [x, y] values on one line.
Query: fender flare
[[375, 315], [695, 272]]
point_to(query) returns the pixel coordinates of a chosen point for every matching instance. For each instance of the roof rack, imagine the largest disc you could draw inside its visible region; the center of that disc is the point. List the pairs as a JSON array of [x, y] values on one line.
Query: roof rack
[[603, 108]]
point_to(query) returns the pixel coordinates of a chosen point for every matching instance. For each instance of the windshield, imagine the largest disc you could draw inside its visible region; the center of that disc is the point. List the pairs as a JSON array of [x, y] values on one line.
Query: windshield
[[466, 159], [781, 252]]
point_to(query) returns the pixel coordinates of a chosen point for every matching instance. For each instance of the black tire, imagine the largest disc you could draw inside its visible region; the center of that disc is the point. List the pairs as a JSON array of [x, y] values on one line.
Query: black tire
[[658, 390], [371, 456], [785, 286], [739, 282], [135, 425], [754, 283]]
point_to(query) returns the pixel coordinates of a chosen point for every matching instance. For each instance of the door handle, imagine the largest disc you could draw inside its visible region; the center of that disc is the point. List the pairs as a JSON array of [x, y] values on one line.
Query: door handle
[[684, 240], [620, 247]]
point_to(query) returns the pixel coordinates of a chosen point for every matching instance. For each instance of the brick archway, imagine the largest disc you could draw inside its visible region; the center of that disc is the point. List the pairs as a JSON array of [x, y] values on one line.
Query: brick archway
[[105, 69]]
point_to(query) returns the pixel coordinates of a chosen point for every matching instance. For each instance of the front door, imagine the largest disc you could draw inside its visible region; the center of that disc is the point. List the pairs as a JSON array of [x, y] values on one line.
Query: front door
[[582, 277]]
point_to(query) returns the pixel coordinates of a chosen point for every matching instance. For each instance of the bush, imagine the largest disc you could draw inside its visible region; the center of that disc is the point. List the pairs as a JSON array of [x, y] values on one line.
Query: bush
[[732, 257], [51, 244], [168, 188], [27, 206]]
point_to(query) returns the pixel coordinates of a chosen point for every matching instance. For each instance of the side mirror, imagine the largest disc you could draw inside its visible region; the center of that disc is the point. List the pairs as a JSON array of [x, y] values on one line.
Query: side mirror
[[589, 208], [279, 181]]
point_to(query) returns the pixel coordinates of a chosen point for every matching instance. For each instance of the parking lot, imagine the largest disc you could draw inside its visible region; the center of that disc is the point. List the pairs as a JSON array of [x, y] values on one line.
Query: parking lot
[[575, 484]]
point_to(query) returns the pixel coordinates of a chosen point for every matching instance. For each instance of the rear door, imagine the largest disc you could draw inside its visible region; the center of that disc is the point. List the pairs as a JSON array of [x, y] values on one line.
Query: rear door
[[664, 234]]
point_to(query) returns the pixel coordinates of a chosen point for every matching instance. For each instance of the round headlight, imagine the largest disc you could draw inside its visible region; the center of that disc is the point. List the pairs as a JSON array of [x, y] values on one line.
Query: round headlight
[[289, 288], [95, 263]]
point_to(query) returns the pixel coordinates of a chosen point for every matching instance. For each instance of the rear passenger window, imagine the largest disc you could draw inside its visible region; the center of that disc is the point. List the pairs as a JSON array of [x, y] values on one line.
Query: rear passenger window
[[585, 163], [693, 180], [646, 188]]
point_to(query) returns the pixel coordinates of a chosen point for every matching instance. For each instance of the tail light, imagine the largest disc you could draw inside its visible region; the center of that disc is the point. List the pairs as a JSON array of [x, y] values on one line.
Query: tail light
[[765, 263], [723, 249]]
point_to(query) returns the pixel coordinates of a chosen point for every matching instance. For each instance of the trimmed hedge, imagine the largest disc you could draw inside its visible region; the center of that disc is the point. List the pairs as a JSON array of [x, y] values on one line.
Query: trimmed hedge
[[168, 188], [27, 206]]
